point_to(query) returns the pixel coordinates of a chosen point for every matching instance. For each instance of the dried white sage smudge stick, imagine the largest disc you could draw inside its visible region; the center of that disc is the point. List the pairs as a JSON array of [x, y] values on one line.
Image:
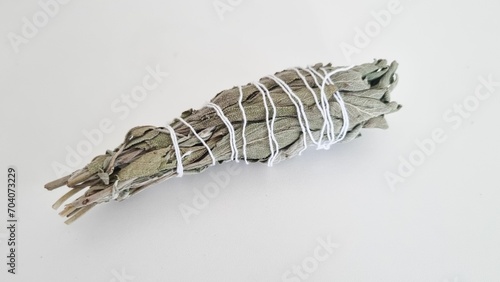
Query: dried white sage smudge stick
[[269, 120]]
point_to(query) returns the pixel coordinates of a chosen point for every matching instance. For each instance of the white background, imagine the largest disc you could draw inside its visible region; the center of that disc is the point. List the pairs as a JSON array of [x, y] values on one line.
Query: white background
[[441, 224]]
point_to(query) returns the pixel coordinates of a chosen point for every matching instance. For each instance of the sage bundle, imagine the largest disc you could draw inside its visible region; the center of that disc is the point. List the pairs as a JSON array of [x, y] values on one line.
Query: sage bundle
[[266, 121]]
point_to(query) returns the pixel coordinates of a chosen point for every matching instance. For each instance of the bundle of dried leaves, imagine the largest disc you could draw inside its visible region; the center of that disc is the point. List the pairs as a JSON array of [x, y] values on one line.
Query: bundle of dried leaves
[[266, 121]]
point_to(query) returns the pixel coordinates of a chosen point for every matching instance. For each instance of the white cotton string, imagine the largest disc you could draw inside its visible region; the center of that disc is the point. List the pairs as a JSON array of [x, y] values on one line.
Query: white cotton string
[[345, 118], [329, 78], [328, 122], [319, 105], [300, 110], [345, 114], [240, 103], [323, 114], [273, 144], [331, 128], [316, 72], [199, 138], [232, 134], [180, 168]]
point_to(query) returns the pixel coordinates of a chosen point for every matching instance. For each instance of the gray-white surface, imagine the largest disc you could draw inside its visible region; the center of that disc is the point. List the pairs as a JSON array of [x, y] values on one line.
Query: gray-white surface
[[325, 216]]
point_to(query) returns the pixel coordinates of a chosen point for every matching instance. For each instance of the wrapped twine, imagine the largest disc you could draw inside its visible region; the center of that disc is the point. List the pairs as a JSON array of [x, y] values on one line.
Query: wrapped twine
[[269, 120]]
